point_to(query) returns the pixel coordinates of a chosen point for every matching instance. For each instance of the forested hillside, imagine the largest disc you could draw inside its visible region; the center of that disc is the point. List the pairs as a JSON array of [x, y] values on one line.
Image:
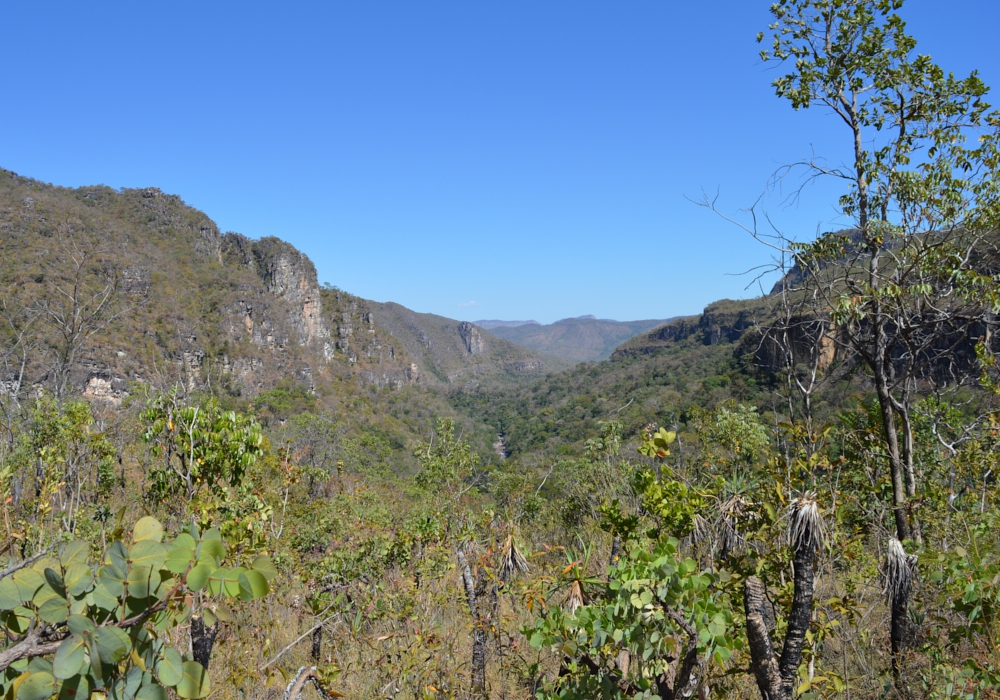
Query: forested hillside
[[220, 479]]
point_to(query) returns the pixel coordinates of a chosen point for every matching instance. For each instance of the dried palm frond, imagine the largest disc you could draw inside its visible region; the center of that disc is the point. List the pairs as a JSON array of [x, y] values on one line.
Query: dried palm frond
[[701, 530], [511, 560], [727, 525], [898, 573], [575, 598], [805, 524]]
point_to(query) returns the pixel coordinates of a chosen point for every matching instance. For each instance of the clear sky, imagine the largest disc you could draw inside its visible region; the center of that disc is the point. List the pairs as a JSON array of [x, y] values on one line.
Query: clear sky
[[510, 160]]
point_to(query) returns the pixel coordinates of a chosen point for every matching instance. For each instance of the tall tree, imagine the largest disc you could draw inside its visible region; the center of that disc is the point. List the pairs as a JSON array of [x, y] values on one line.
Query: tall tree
[[912, 285]]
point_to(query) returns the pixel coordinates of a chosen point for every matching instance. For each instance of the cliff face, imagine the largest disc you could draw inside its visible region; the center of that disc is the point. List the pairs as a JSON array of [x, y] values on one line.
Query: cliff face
[[722, 321], [182, 303]]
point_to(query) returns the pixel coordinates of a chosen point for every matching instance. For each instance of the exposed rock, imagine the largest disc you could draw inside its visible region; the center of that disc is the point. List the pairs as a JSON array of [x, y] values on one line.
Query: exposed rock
[[105, 387], [473, 339], [291, 276]]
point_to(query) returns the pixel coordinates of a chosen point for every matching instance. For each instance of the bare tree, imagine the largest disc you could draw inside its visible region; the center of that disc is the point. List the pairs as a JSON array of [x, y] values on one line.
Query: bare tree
[[86, 298]]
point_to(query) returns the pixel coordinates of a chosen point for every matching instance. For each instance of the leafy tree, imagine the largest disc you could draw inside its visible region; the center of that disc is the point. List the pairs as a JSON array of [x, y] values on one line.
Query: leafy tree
[[200, 446]]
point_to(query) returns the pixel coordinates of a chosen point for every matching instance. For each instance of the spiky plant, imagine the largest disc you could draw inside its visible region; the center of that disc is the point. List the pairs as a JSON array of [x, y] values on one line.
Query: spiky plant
[[512, 562], [574, 599], [898, 573], [805, 523]]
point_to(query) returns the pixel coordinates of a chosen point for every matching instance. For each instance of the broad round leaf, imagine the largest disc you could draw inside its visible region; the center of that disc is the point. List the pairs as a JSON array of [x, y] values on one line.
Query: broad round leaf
[[117, 555], [78, 624], [231, 581], [55, 581], [77, 579], [265, 566], [195, 684], [151, 692], [139, 581], [103, 599], [76, 688], [253, 585], [54, 610], [198, 576], [212, 548], [178, 560], [147, 553], [70, 657], [37, 686], [170, 668], [28, 581], [112, 644], [147, 530], [113, 579], [74, 552], [185, 541], [10, 598]]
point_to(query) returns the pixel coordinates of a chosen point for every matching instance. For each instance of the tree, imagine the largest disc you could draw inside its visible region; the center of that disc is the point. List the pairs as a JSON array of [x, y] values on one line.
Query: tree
[[913, 282], [913, 286]]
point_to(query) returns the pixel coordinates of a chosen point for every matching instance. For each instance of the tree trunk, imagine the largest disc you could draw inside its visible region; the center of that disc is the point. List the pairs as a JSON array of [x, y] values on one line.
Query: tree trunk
[[776, 676], [317, 643], [896, 468], [202, 640]]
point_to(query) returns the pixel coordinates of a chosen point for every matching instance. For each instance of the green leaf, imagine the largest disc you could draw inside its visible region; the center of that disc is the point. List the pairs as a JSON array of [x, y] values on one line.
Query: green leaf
[[253, 585], [198, 576], [78, 624], [178, 560], [265, 566], [148, 529], [10, 598], [103, 599], [147, 553], [112, 644], [70, 657], [77, 579], [208, 618], [212, 548], [231, 581], [76, 688], [185, 541], [139, 581], [151, 692], [170, 668], [54, 610], [56, 582], [118, 556], [37, 686], [195, 683], [28, 581], [74, 552], [113, 579]]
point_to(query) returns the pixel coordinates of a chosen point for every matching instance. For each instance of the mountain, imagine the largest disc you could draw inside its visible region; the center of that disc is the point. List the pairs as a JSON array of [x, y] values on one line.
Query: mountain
[[114, 289], [581, 339], [461, 353], [490, 325]]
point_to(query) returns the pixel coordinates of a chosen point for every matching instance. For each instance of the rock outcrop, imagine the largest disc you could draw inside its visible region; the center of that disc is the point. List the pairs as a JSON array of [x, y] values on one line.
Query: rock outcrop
[[472, 338]]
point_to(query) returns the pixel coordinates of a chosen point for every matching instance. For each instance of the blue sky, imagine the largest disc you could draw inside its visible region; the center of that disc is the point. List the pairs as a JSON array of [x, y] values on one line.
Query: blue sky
[[531, 157]]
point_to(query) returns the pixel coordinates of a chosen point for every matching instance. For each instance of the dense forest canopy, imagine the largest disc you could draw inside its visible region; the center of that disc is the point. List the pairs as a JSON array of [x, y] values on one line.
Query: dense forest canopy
[[220, 479]]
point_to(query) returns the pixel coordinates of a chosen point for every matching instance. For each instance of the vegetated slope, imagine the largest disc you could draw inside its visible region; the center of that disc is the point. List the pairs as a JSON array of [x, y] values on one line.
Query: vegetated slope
[[167, 299], [581, 339], [460, 353], [654, 378]]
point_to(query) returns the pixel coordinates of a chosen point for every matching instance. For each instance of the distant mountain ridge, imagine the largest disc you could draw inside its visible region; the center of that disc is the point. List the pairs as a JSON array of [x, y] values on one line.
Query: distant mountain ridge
[[580, 339], [490, 325]]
